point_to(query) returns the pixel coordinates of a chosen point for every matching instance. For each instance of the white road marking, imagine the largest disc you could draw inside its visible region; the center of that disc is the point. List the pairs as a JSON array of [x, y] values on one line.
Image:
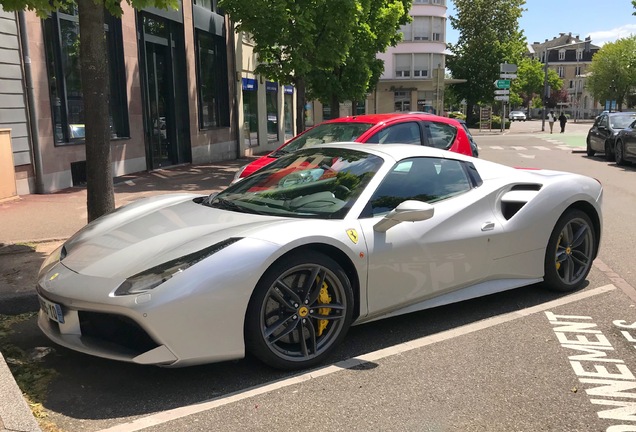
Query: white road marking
[[181, 412], [496, 147], [518, 148], [541, 148], [526, 156]]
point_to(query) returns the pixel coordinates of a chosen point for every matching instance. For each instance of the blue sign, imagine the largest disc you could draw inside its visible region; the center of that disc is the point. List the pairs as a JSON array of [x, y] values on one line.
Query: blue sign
[[610, 105], [250, 84], [271, 86], [289, 89]]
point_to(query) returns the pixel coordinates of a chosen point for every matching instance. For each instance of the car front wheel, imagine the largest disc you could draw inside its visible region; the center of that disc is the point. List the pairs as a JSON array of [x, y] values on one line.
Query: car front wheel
[[590, 152], [570, 251], [619, 153], [609, 156], [300, 310]]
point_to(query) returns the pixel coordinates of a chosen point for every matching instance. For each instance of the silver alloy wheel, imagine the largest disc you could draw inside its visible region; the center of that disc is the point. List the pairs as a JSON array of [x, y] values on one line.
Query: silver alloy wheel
[[574, 251], [303, 313]]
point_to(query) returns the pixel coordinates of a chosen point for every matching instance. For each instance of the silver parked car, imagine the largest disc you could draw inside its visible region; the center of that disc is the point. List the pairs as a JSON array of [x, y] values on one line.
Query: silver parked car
[[282, 263]]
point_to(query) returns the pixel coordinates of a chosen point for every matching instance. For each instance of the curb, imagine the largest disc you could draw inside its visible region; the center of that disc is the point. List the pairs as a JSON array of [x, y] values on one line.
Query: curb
[[15, 414]]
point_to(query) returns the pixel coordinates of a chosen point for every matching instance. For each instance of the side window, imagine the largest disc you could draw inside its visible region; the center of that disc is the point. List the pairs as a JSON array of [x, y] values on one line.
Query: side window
[[402, 133], [440, 135], [604, 121], [422, 179]]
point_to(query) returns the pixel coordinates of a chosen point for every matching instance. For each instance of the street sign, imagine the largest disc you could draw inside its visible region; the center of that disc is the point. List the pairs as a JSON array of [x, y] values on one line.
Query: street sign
[[507, 68], [508, 76], [502, 84], [502, 98], [502, 92]]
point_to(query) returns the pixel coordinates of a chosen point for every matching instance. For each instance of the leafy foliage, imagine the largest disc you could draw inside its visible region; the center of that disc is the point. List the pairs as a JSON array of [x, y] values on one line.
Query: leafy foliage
[[489, 35], [613, 71], [329, 45]]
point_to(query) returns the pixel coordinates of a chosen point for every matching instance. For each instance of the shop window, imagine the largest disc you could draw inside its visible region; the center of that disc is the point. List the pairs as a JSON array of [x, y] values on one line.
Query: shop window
[[289, 112], [250, 111], [271, 90], [212, 81], [61, 37]]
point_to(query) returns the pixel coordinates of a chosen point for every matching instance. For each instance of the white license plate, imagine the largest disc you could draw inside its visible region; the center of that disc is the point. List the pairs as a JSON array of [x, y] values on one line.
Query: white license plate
[[53, 310]]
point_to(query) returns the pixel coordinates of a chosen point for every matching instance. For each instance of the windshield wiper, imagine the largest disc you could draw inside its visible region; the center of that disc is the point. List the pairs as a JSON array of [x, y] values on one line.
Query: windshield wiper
[[279, 153], [226, 204]]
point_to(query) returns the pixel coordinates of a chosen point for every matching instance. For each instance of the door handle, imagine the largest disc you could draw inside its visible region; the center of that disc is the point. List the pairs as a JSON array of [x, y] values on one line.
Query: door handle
[[488, 226]]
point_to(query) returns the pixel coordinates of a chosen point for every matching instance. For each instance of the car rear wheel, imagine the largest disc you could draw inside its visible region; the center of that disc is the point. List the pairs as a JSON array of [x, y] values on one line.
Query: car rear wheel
[[300, 310], [590, 152], [619, 153], [570, 251], [609, 156]]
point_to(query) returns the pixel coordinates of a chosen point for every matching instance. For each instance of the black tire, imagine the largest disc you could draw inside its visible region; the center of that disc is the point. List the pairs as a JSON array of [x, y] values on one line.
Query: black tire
[[287, 325], [590, 152], [609, 156], [570, 251], [619, 153]]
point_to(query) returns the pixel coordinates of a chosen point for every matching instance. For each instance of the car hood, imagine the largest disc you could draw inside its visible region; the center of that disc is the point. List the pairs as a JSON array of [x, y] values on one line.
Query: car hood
[[151, 232]]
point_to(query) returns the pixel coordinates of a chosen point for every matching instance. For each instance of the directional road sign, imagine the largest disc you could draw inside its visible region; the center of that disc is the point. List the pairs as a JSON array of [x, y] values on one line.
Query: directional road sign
[[502, 84], [502, 98], [508, 76], [507, 68], [502, 92]]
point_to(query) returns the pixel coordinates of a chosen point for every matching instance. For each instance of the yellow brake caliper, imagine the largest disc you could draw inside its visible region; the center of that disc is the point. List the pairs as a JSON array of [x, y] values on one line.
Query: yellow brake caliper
[[558, 264], [323, 298]]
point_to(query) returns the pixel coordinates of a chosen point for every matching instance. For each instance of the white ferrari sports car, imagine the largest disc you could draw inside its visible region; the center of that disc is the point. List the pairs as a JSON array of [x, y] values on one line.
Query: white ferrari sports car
[[282, 263]]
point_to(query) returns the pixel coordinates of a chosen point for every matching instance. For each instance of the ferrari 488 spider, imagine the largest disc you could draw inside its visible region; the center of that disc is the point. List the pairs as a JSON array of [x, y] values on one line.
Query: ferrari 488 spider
[[281, 264]]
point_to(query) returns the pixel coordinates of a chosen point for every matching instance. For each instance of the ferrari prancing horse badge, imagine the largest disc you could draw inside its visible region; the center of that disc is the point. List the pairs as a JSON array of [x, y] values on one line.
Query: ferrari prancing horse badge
[[353, 235]]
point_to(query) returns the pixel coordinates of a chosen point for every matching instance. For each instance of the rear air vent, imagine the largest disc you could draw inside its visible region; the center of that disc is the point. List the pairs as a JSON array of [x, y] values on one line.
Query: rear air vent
[[517, 197], [526, 187]]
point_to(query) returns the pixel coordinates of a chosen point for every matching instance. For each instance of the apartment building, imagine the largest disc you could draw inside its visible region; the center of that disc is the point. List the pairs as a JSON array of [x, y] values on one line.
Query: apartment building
[[414, 70], [568, 56]]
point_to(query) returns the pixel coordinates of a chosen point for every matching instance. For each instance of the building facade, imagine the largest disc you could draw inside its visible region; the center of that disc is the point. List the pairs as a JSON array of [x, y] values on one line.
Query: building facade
[[414, 70], [265, 109], [570, 57], [171, 97]]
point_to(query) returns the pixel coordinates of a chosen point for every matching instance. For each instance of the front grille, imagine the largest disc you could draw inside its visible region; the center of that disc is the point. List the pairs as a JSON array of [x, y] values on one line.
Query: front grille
[[116, 329]]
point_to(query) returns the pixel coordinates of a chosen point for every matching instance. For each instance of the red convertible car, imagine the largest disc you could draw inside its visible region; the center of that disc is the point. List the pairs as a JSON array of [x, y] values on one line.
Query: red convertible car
[[397, 128]]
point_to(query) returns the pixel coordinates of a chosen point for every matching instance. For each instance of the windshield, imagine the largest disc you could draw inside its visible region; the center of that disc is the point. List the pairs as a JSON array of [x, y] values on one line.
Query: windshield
[[327, 133], [621, 121], [311, 183]]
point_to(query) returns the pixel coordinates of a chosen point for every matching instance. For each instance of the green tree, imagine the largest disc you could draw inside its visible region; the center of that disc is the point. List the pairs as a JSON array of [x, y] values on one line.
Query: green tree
[[294, 37], [613, 71], [95, 87], [634, 4], [488, 35], [326, 48], [376, 28]]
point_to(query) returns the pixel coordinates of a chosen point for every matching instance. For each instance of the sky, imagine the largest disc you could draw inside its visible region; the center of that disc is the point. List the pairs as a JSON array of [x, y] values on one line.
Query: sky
[[603, 20]]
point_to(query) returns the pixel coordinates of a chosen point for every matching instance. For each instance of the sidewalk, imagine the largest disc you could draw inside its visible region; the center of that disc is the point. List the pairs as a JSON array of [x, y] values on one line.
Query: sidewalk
[[47, 220]]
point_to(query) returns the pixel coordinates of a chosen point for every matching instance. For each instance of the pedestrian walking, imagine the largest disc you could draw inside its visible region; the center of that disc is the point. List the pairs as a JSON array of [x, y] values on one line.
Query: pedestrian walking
[[562, 121], [551, 120]]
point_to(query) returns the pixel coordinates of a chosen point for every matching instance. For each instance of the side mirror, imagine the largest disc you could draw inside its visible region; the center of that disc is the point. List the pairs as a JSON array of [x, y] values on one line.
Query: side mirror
[[408, 211]]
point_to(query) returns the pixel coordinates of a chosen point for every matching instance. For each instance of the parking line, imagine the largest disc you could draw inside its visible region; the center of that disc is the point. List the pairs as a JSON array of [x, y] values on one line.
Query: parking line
[[188, 410]]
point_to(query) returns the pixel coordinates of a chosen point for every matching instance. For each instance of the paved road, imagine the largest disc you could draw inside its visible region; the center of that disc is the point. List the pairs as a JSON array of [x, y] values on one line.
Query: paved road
[[526, 360]]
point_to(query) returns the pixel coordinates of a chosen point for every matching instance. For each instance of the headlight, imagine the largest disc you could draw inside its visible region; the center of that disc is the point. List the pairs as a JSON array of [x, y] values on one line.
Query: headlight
[[55, 257], [237, 176], [152, 278]]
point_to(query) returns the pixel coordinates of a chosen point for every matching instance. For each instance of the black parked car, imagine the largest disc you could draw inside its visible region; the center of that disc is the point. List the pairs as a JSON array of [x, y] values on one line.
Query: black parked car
[[625, 149], [602, 136]]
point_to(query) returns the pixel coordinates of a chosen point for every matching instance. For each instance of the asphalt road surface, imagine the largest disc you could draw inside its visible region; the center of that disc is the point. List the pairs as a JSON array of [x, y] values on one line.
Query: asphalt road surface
[[524, 360]]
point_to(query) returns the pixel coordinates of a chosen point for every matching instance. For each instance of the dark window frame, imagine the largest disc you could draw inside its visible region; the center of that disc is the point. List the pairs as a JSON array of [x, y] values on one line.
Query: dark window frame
[[221, 84], [53, 46]]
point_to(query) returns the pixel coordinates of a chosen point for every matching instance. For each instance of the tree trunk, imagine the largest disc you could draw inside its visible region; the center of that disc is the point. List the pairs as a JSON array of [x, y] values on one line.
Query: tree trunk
[[95, 89], [469, 114], [300, 105], [335, 106]]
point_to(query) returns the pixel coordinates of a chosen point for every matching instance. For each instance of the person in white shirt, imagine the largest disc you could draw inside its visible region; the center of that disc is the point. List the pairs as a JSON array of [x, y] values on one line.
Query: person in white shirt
[[551, 120]]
